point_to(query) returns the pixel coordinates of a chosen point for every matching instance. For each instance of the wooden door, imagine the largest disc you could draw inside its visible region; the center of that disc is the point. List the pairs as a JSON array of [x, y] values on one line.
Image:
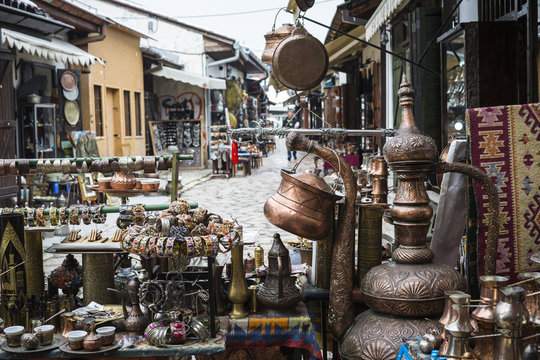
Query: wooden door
[[8, 124], [114, 123]]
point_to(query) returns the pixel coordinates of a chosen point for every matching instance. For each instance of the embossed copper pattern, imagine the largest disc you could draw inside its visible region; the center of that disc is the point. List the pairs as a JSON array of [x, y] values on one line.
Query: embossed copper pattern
[[341, 314], [408, 289], [375, 336]]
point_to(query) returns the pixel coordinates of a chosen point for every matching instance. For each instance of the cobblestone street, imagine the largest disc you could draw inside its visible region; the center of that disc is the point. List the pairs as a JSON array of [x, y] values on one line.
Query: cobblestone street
[[239, 197]]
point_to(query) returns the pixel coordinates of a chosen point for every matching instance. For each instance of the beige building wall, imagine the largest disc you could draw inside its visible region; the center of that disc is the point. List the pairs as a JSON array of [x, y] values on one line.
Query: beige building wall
[[113, 95]]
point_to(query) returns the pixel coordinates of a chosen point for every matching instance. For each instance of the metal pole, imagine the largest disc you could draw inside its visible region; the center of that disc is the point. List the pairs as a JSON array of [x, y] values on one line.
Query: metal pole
[[80, 160], [212, 293], [174, 180], [115, 209], [235, 133]]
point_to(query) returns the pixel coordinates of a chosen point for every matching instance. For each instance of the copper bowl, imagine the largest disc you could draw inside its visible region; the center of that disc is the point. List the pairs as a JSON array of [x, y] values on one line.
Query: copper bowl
[[123, 181]]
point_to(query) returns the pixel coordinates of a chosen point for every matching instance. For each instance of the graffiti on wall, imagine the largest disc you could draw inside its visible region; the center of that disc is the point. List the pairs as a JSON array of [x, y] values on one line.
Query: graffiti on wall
[[185, 106]]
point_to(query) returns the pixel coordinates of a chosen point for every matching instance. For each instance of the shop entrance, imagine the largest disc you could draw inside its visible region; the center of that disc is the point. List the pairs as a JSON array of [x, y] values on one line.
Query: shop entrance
[[114, 126]]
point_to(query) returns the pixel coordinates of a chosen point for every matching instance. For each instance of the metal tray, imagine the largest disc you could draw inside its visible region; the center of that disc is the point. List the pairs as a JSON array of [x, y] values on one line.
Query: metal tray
[[65, 348], [58, 340]]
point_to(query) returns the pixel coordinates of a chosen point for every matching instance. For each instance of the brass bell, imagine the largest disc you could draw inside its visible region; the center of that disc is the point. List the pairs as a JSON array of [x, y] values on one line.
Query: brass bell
[[273, 38]]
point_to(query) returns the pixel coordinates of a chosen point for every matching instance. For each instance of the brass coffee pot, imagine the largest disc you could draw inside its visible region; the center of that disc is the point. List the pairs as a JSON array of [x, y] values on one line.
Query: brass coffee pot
[[459, 331], [279, 290], [511, 318], [136, 321], [404, 292]]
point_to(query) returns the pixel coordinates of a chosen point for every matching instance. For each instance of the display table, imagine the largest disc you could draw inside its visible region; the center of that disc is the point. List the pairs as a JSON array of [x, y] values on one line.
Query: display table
[[291, 329], [142, 350]]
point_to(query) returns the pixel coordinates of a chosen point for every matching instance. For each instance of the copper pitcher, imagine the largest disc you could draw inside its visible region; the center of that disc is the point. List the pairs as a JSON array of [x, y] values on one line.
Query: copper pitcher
[[279, 289], [273, 38], [302, 205]]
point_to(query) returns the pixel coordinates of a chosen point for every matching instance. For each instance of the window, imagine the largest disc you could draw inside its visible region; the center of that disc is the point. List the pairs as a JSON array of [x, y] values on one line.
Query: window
[[98, 110], [138, 120], [127, 114]]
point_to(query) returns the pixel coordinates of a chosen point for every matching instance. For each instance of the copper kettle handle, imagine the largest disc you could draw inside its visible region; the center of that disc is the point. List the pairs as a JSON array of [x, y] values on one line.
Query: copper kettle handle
[[280, 277], [340, 313], [493, 196]]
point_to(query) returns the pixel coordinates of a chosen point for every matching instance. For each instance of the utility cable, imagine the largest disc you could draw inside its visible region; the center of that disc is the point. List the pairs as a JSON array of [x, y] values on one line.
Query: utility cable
[[370, 44]]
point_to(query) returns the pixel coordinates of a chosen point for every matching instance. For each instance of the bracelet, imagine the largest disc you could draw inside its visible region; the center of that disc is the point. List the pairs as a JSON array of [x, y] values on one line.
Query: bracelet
[[63, 215], [53, 216], [24, 166], [179, 207], [41, 219], [97, 216], [200, 215], [66, 166], [221, 248], [160, 246], [74, 215], [85, 215], [30, 217], [138, 214], [171, 249], [208, 246], [190, 247], [143, 246], [135, 243], [199, 245], [152, 246]]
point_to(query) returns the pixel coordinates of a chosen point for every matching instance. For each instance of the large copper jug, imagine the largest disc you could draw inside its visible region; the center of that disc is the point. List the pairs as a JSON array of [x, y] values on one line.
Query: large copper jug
[[279, 289], [411, 286], [302, 205], [273, 38]]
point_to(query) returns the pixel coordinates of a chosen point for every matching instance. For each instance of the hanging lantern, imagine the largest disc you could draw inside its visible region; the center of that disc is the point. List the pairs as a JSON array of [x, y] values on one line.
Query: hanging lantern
[[273, 38]]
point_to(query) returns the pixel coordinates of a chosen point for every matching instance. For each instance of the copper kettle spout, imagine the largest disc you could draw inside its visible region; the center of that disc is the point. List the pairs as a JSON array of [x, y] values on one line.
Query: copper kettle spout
[[341, 315]]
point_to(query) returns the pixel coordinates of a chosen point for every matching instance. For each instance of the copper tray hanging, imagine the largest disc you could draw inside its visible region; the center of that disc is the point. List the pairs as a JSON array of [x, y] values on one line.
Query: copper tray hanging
[[300, 61], [68, 80]]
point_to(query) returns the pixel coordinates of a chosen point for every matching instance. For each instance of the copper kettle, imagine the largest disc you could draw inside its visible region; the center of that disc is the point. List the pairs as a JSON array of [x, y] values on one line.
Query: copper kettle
[[302, 205], [273, 38], [279, 289]]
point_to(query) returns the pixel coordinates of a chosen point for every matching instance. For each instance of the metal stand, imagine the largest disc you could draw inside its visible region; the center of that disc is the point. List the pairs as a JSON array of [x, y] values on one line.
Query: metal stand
[[98, 275], [34, 263], [212, 293]]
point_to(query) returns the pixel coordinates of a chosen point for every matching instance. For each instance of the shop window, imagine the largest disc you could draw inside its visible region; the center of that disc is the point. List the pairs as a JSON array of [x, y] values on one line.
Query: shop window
[[98, 110], [454, 89], [138, 120], [127, 114]]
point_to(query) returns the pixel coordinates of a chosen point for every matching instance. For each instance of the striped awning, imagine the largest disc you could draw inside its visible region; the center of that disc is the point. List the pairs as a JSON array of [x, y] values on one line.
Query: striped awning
[[381, 15], [56, 49]]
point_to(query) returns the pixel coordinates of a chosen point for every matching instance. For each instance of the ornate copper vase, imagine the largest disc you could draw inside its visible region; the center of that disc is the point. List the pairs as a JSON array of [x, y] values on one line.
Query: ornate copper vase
[[279, 290], [273, 38]]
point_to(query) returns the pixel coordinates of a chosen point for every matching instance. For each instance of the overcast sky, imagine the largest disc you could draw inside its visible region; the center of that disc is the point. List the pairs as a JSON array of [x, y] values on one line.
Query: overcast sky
[[248, 28], [250, 21]]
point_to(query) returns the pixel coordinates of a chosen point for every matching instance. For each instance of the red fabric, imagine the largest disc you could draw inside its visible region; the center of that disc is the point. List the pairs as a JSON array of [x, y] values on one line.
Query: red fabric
[[234, 153]]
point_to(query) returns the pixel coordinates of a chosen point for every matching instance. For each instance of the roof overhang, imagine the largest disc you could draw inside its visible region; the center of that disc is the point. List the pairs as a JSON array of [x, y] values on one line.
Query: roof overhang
[[201, 81], [382, 14], [55, 49], [27, 15]]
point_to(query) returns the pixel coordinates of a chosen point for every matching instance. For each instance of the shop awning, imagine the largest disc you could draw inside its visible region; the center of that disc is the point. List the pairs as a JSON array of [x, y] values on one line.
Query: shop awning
[[339, 51], [204, 82], [381, 15], [56, 49]]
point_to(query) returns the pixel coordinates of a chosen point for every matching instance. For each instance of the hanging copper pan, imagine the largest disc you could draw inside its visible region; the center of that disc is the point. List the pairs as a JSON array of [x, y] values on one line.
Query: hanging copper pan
[[300, 61]]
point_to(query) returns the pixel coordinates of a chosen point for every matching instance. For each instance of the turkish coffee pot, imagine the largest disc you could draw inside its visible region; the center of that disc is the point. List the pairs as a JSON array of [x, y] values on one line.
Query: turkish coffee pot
[[136, 321], [279, 289], [511, 317], [409, 289]]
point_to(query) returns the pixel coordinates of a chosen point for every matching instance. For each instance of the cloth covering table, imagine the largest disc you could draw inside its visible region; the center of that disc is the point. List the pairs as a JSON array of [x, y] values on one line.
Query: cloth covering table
[[279, 328]]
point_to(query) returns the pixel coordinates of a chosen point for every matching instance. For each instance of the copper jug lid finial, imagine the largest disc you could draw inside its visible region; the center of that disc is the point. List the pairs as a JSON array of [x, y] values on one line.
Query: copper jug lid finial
[[278, 248]]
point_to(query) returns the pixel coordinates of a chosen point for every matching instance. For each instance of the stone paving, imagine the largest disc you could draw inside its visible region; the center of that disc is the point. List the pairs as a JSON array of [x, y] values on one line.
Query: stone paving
[[239, 197]]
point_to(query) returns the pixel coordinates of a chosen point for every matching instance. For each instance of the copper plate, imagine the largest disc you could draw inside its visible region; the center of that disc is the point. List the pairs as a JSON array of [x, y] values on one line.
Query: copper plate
[[68, 80], [300, 61], [58, 340], [65, 348], [71, 94]]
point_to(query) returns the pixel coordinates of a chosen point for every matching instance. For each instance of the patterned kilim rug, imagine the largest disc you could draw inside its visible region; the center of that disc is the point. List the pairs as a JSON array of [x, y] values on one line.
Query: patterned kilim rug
[[505, 144]]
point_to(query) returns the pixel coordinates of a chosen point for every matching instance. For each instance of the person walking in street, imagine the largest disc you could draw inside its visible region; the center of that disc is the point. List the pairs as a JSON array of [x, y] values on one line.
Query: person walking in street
[[291, 122]]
